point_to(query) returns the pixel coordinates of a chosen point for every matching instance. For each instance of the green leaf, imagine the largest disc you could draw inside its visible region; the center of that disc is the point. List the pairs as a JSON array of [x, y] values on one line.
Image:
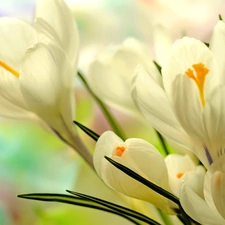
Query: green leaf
[[118, 208], [158, 66], [88, 131], [50, 197], [220, 17], [147, 183]]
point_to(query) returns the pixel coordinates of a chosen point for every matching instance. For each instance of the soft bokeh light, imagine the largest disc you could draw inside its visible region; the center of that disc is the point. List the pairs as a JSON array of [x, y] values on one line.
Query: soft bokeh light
[[32, 160]]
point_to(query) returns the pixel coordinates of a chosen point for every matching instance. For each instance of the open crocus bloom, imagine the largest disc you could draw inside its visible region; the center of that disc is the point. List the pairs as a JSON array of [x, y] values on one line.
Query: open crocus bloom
[[206, 206], [189, 107], [139, 156], [109, 75], [37, 65]]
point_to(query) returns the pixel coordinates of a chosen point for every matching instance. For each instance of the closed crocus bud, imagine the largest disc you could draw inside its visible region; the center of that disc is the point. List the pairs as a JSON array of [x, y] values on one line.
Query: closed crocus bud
[[139, 156], [180, 166]]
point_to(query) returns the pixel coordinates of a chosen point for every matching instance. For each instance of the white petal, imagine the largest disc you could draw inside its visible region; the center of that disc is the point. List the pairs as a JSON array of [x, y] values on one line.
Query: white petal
[[217, 187], [109, 84], [218, 165], [45, 33], [149, 161], [16, 36], [109, 76], [62, 21], [104, 147], [194, 179], [214, 122], [181, 56], [11, 110], [197, 208], [45, 83], [162, 42], [10, 89], [152, 101], [177, 166], [128, 186], [132, 53], [188, 110], [217, 45]]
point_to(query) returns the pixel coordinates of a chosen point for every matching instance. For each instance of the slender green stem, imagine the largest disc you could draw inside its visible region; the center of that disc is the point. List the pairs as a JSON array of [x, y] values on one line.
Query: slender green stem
[[165, 218], [113, 123], [163, 143]]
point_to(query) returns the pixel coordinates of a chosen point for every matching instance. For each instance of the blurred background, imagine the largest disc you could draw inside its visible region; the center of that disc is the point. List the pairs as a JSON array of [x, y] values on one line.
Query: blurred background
[[32, 160]]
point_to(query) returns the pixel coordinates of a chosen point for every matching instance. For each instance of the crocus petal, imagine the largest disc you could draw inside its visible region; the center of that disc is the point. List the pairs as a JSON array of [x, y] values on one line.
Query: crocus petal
[[11, 110], [45, 33], [109, 85], [104, 148], [213, 195], [182, 56], [214, 122], [109, 76], [16, 36], [197, 208], [152, 101], [10, 89], [162, 42], [61, 20], [177, 166], [185, 104], [217, 186], [46, 87], [137, 155], [217, 46]]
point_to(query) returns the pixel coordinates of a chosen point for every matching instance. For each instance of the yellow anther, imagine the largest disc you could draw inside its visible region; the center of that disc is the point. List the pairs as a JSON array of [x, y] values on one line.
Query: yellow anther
[[199, 77], [10, 69], [119, 150]]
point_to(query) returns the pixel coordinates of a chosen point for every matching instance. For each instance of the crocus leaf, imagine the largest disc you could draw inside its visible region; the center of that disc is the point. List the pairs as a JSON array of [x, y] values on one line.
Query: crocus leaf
[[49, 197], [158, 66], [91, 202], [118, 208], [88, 131]]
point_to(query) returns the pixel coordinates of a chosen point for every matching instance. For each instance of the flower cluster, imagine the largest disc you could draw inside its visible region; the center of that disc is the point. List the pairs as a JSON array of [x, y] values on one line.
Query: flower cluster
[[182, 98]]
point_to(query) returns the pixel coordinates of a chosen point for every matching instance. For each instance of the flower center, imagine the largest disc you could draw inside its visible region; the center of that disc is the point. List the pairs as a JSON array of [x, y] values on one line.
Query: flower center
[[119, 150], [198, 75], [10, 69], [179, 175]]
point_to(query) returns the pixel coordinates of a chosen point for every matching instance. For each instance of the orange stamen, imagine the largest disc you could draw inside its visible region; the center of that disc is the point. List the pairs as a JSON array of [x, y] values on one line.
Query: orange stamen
[[199, 77], [119, 150], [10, 69], [179, 175]]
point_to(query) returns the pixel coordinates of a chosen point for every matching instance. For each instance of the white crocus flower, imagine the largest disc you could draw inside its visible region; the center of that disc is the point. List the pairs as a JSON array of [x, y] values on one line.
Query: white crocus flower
[[188, 108], [37, 66], [139, 156], [206, 206], [178, 167], [110, 73]]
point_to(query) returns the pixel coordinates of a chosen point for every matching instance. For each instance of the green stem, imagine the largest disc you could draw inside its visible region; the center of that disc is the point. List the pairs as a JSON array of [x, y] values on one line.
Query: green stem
[[163, 143], [113, 123], [165, 218]]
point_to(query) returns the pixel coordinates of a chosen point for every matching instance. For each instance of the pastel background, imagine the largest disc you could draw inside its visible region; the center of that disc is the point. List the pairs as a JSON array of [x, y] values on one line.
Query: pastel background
[[31, 160]]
